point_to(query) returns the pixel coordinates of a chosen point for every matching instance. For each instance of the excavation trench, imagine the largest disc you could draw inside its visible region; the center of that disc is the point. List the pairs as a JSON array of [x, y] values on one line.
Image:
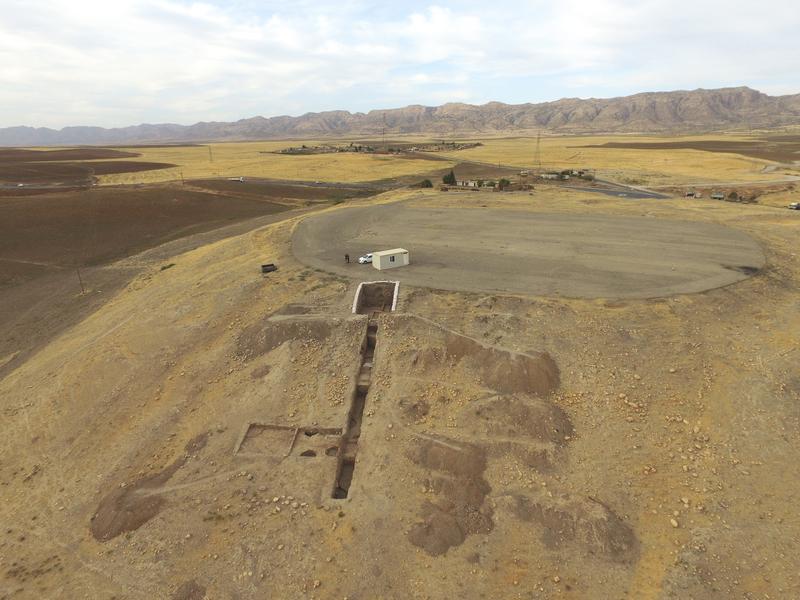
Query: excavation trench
[[348, 448], [376, 296]]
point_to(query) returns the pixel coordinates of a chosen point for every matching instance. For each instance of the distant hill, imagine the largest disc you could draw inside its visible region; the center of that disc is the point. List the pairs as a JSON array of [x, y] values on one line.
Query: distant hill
[[697, 110]]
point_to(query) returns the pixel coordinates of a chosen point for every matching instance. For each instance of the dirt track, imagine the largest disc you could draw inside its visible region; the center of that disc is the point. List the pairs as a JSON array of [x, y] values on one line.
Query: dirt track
[[572, 255]]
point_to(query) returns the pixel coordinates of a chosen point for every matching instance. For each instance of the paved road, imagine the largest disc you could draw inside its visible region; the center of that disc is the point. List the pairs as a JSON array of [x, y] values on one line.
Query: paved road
[[619, 192], [573, 255]]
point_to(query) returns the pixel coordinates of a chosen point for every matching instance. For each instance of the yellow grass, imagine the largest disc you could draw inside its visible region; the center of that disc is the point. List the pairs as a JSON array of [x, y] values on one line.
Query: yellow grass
[[254, 159], [780, 199], [642, 167]]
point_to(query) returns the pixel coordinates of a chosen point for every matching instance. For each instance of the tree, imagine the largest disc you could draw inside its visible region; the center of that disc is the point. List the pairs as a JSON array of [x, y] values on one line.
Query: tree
[[450, 178], [504, 183], [425, 183]]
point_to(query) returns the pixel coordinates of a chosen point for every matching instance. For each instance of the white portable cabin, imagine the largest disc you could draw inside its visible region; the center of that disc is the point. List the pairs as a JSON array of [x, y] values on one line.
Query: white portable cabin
[[389, 259]]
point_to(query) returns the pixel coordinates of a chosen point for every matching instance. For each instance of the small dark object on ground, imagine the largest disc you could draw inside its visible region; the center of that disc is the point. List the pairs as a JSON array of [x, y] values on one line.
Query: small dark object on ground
[[268, 268], [169, 266]]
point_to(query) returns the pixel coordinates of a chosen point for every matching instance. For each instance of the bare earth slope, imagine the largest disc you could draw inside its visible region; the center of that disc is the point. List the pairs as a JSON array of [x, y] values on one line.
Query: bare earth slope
[[181, 441]]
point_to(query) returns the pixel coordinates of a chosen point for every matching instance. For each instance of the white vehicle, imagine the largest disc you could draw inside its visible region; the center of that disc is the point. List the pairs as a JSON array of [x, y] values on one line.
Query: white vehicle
[[792, 206], [366, 259]]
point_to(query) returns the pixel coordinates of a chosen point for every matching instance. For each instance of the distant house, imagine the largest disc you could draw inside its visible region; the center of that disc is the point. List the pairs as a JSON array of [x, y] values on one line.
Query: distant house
[[550, 176], [471, 183]]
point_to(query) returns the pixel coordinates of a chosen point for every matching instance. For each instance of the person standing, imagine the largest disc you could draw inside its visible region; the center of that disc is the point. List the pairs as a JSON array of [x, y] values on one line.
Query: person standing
[[347, 258]]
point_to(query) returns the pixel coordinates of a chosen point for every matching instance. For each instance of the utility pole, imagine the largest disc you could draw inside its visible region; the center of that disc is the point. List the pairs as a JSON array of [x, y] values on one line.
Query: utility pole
[[383, 132], [210, 155], [80, 280], [538, 156]]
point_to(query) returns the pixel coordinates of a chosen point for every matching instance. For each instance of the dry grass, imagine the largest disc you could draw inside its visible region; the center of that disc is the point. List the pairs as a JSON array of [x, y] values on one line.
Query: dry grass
[[635, 167], [253, 159], [779, 199]]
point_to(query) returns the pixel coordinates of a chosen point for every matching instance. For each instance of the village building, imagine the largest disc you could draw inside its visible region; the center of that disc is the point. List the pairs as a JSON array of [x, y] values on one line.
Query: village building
[[389, 259]]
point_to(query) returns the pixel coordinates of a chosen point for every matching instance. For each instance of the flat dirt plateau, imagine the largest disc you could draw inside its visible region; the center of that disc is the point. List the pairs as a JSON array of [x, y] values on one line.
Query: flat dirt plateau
[[185, 439], [483, 248]]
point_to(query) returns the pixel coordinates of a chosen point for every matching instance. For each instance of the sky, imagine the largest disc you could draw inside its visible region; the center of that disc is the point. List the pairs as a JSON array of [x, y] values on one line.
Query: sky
[[123, 62]]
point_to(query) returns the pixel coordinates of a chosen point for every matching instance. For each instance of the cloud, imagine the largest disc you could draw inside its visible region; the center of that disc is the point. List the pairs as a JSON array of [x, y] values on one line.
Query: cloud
[[129, 61]]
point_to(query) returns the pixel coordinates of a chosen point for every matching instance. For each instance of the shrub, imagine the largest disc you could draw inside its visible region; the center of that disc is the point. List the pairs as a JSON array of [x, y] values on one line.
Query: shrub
[[450, 178]]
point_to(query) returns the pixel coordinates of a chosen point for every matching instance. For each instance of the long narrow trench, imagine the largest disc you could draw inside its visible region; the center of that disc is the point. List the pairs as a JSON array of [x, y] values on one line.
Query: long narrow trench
[[348, 447]]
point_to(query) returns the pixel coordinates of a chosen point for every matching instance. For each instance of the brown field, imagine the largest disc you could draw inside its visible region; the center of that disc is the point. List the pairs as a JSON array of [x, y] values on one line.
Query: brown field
[[779, 150], [66, 154], [70, 173]]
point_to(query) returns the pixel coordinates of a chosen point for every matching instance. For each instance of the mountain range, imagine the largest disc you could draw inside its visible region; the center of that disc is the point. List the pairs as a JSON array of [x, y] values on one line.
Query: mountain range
[[651, 112]]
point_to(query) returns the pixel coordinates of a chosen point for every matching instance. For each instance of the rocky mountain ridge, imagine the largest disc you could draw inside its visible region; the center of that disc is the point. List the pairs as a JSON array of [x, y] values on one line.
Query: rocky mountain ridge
[[649, 112]]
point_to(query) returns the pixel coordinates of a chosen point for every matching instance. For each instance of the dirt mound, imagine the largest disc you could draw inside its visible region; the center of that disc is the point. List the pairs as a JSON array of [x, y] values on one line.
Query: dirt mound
[[438, 532], [130, 506], [262, 338], [505, 371], [450, 457], [456, 478], [588, 523], [190, 590], [524, 417]]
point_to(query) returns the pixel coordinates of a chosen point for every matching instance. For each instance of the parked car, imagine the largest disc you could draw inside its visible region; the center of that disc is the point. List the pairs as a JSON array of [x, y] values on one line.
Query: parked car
[[794, 206], [366, 259]]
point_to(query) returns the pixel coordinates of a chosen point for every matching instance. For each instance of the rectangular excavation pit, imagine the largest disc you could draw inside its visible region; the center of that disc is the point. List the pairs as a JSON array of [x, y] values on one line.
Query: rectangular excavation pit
[[317, 442], [283, 440], [376, 296]]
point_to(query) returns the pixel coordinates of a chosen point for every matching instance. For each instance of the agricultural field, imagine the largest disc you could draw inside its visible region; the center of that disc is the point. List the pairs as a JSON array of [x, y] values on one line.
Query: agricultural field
[[258, 159], [667, 164]]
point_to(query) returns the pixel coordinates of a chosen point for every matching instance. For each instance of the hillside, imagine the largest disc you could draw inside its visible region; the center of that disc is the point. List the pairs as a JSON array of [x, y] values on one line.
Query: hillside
[[676, 111]]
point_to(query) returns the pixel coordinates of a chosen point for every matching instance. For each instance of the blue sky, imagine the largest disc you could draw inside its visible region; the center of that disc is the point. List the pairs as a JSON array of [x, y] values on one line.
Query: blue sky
[[124, 62]]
